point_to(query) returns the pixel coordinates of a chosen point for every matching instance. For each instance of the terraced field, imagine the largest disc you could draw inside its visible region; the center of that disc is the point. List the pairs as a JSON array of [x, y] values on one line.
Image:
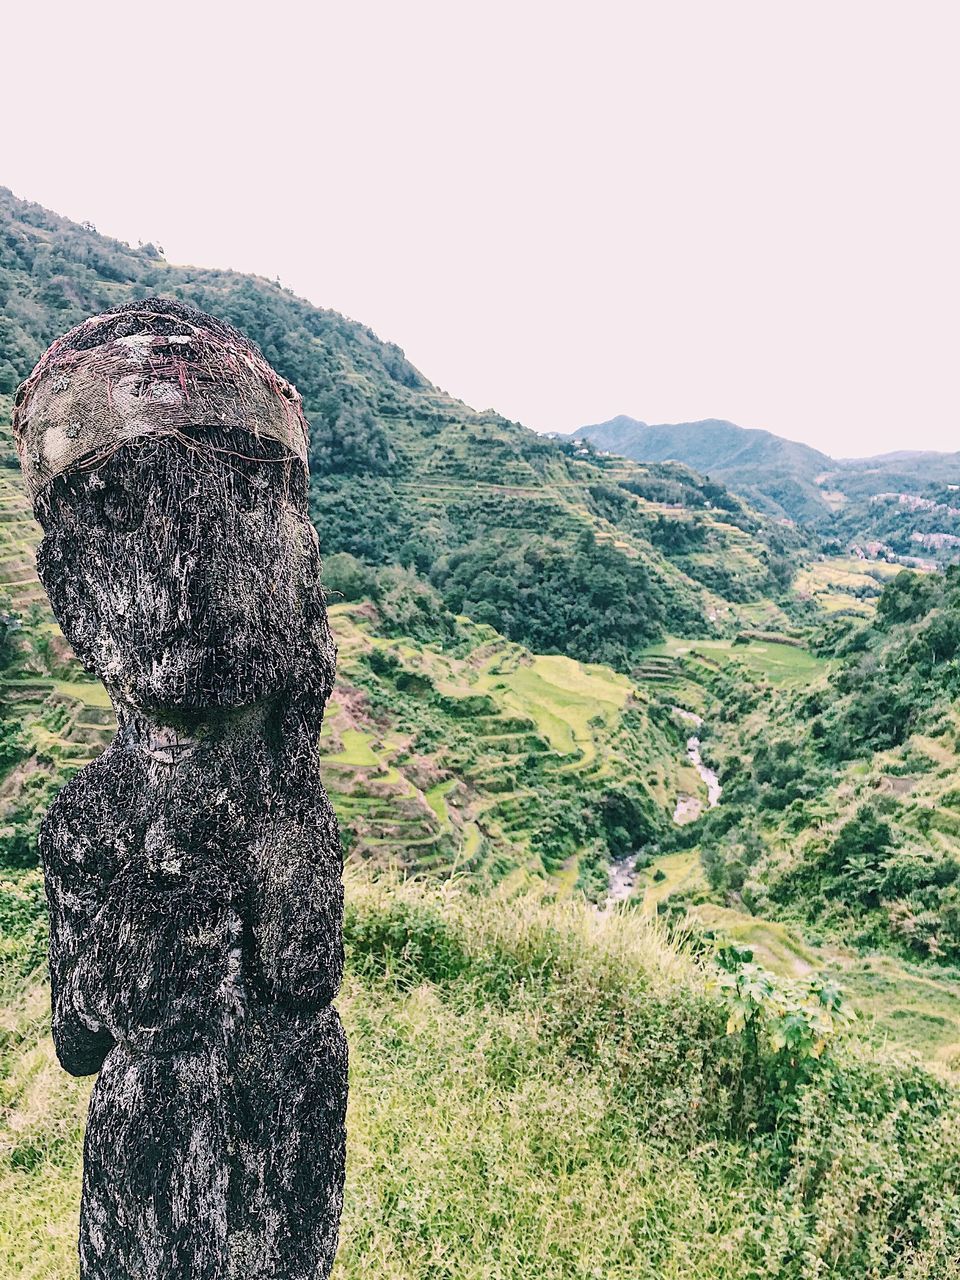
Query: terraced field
[[480, 758], [461, 759], [907, 1005], [766, 660], [494, 495], [19, 535], [844, 584], [55, 720]]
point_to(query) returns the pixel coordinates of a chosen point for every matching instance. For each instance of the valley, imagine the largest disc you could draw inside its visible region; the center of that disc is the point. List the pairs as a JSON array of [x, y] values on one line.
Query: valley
[[648, 796]]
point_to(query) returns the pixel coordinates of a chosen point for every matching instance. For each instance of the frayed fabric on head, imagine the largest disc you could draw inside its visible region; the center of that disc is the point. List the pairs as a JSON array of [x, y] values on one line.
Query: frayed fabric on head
[[150, 368]]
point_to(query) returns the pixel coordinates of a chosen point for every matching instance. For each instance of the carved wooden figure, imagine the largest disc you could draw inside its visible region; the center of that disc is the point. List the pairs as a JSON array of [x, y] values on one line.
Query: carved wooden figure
[[193, 871]]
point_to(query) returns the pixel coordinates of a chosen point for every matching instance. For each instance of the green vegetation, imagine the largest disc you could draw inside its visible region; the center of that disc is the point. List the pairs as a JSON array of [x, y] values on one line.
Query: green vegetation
[[747, 1070], [558, 552], [52, 720], [541, 1090], [899, 505], [840, 584], [840, 799]]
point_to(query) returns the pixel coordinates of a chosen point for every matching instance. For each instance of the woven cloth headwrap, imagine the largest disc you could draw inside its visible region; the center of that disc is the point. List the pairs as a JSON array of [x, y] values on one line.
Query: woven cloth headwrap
[[155, 367]]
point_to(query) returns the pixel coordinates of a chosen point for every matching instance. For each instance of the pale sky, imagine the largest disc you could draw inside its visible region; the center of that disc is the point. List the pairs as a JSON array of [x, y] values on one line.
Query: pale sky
[[673, 210]]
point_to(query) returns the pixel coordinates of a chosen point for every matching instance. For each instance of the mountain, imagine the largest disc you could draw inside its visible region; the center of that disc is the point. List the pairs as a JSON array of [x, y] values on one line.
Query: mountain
[[529, 632], [898, 500], [480, 567], [557, 551], [778, 475]]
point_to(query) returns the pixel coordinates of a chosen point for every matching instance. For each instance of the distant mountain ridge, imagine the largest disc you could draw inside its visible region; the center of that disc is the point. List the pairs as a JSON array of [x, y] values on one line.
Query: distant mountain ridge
[[789, 479], [717, 436], [777, 474]]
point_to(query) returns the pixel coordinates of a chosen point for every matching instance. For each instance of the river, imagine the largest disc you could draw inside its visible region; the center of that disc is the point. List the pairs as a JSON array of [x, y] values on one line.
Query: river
[[707, 775], [623, 872]]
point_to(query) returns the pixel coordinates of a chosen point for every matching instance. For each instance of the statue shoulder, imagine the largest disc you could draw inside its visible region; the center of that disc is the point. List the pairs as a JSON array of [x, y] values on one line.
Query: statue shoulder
[[87, 819]]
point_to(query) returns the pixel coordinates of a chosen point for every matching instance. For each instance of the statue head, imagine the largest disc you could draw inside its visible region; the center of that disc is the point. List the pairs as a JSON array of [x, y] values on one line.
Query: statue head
[[167, 464]]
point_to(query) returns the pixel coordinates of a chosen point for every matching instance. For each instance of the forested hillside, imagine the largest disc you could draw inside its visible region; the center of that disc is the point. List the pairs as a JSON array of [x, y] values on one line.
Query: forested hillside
[[841, 808], [557, 551], [897, 506], [443, 729]]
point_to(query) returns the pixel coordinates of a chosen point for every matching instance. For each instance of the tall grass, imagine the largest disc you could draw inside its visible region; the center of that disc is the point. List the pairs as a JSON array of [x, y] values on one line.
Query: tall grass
[[541, 1091]]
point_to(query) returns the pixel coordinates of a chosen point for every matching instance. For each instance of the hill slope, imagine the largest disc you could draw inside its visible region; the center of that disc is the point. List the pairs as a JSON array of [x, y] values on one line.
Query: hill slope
[[541, 1090], [437, 514], [841, 803], [902, 500], [560, 552]]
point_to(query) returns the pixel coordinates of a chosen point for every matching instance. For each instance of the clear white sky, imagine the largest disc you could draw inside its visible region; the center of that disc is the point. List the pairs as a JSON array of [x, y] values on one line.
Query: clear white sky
[[566, 211]]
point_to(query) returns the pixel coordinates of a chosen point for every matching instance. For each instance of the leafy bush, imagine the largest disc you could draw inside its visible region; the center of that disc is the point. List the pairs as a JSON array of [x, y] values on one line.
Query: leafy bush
[[786, 1024]]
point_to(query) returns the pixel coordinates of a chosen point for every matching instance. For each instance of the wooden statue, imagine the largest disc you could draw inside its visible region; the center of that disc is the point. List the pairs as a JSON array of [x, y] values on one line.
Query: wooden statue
[[193, 870]]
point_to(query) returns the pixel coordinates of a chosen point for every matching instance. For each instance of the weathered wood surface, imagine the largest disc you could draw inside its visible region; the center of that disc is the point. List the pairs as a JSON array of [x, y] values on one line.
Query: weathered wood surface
[[193, 871]]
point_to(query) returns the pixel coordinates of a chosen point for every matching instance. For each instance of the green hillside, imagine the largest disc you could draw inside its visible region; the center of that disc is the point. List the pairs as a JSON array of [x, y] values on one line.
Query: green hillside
[[463, 752], [493, 564], [475, 754], [841, 802], [559, 552], [898, 506]]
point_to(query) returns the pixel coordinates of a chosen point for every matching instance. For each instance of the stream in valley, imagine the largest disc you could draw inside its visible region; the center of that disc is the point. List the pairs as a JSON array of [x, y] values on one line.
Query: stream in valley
[[623, 873], [707, 775]]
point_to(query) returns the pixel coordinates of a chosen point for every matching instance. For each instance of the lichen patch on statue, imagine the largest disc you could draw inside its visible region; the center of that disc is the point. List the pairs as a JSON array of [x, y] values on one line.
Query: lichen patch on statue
[[193, 871]]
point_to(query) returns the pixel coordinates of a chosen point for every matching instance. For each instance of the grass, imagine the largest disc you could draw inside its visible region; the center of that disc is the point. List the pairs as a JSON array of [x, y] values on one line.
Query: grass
[[90, 692], [774, 945], [843, 583], [472, 839], [539, 1090], [498, 1167], [907, 1007], [436, 799]]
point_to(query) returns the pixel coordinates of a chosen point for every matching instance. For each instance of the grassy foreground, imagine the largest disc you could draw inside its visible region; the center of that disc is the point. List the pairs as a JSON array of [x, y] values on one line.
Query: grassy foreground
[[542, 1090]]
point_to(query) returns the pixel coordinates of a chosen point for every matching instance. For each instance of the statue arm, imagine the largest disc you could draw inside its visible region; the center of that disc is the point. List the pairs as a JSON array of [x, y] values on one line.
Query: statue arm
[[136, 956], [74, 898], [297, 902], [158, 957]]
